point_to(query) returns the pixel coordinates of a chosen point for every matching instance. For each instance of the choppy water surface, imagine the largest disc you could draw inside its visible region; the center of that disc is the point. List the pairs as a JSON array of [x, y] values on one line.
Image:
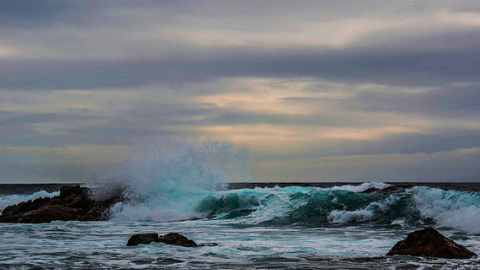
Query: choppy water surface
[[270, 228], [94, 245], [180, 187]]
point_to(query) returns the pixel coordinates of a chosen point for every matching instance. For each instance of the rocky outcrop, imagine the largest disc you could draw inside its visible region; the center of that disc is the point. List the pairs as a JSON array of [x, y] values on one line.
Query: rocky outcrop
[[177, 240], [430, 243], [169, 239], [143, 238], [73, 203]]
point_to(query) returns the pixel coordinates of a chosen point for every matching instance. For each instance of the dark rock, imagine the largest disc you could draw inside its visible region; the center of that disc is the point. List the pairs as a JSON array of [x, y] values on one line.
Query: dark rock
[[73, 203], [143, 238], [430, 243], [177, 240], [169, 239], [399, 188], [208, 245]]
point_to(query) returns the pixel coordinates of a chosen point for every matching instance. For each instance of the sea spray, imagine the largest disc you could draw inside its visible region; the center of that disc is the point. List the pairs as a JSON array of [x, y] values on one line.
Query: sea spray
[[258, 228], [167, 180], [163, 179], [449, 209], [7, 200]]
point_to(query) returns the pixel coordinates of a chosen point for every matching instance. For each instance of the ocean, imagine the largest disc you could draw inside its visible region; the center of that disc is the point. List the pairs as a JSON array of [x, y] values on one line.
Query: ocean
[[186, 188], [254, 226]]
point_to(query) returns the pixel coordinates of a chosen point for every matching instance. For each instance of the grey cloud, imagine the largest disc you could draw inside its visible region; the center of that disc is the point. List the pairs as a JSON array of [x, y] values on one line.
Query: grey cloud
[[18, 129], [42, 13], [31, 13], [438, 58], [410, 144], [10, 118], [453, 101], [395, 144], [224, 117], [404, 57], [393, 68], [51, 172]]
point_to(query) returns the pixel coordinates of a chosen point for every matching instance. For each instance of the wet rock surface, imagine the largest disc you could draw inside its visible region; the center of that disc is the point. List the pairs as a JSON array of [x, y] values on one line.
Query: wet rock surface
[[73, 203], [175, 239], [430, 243], [144, 238]]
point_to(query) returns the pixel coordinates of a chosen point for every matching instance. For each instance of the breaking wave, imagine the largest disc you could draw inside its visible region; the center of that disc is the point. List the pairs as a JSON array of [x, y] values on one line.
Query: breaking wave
[[339, 205], [450, 209], [6, 200], [171, 181], [162, 179], [306, 206]]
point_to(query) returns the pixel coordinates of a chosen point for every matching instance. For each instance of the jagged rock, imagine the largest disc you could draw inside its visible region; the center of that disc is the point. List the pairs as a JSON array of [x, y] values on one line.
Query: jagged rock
[[430, 243], [143, 238], [169, 239], [73, 203]]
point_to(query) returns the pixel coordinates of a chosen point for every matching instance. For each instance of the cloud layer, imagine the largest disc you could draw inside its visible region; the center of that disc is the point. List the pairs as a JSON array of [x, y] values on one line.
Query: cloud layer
[[321, 91]]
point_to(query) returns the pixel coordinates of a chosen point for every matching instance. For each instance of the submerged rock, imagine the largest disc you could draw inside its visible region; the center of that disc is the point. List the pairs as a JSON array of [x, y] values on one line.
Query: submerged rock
[[143, 238], [73, 203], [430, 243], [177, 240], [169, 239]]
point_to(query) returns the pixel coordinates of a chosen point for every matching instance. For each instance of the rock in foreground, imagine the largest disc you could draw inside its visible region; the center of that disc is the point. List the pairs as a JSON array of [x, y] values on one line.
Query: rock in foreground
[[73, 203], [169, 239], [430, 243]]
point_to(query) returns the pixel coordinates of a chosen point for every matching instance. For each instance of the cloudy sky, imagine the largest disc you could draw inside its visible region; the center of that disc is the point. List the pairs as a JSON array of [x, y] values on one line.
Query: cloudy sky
[[317, 90]]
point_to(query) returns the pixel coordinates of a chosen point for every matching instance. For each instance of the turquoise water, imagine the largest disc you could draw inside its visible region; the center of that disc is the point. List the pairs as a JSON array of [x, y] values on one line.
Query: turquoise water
[[180, 187], [262, 228], [101, 245]]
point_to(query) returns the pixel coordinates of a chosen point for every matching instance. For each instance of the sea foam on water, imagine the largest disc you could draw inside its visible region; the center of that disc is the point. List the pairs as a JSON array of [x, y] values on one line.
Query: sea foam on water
[[450, 209], [164, 180]]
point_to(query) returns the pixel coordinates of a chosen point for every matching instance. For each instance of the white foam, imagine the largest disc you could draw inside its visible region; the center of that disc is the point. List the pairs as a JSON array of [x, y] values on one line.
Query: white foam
[[7, 200], [451, 209], [163, 179], [362, 187], [367, 213], [342, 216]]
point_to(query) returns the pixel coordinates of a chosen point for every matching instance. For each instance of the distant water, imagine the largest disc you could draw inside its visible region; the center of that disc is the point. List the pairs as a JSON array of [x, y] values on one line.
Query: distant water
[[256, 226]]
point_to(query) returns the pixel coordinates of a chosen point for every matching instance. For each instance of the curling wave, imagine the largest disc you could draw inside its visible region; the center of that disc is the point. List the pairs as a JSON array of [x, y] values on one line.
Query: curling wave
[[319, 207], [168, 181], [307, 206]]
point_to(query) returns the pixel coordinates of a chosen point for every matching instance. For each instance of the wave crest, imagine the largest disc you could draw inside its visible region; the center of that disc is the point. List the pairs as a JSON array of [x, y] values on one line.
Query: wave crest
[[162, 179], [7, 200], [450, 209]]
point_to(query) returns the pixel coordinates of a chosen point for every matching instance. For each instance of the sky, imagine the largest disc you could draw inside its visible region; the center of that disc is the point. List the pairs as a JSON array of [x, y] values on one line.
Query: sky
[[317, 90]]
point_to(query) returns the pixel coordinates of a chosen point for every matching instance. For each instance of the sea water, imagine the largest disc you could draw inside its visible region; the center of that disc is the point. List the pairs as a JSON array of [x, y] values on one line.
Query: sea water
[[261, 228], [178, 187]]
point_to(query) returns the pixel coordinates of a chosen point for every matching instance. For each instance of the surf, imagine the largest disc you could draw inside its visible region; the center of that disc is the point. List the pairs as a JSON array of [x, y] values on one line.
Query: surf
[[162, 180], [311, 206]]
